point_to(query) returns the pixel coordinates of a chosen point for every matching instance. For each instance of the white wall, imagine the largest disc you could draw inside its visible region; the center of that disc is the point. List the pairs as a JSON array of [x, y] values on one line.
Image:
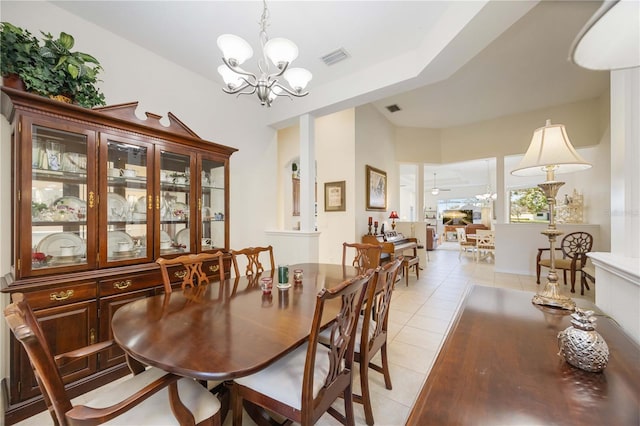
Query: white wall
[[336, 155], [375, 146], [517, 245]]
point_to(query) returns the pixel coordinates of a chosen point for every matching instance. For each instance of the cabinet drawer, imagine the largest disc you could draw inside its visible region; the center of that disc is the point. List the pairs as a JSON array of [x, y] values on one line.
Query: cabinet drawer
[[63, 295], [211, 269], [128, 283]]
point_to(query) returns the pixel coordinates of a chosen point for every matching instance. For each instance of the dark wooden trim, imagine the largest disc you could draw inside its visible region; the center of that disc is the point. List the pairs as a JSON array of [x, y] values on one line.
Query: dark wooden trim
[[15, 99]]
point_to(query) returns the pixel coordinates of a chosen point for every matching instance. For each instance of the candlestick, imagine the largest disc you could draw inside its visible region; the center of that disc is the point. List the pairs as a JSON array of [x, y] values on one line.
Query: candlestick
[[375, 227]]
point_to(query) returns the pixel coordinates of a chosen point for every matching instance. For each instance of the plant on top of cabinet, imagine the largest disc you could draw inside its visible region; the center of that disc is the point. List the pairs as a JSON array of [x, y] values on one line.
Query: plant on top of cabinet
[[74, 73], [50, 70], [19, 52]]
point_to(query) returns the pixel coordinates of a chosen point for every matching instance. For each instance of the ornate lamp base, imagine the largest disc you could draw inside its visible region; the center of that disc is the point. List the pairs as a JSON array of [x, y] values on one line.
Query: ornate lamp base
[[551, 296]]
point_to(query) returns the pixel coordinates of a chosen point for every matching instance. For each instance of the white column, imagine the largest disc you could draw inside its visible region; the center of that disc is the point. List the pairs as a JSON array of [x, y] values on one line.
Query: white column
[[420, 207], [308, 173], [618, 273], [502, 201], [625, 157]]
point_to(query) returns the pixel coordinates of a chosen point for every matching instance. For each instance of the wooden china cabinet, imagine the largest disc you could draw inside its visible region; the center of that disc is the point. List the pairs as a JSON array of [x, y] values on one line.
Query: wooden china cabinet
[[97, 196]]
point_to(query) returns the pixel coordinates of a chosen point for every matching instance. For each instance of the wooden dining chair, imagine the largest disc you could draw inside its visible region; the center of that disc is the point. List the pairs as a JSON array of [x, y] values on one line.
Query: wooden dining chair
[[252, 256], [574, 248], [371, 336], [151, 397], [303, 384], [365, 256], [193, 274]]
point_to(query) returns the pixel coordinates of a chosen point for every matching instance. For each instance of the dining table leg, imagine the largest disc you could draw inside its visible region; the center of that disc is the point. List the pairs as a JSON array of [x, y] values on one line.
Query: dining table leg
[[260, 416]]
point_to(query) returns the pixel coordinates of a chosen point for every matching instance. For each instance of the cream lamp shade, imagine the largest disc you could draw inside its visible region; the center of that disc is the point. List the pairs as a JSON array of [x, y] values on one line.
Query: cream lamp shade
[[610, 40], [550, 150]]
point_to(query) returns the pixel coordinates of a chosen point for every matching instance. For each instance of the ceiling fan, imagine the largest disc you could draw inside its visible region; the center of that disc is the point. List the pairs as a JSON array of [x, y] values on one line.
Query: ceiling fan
[[435, 190]]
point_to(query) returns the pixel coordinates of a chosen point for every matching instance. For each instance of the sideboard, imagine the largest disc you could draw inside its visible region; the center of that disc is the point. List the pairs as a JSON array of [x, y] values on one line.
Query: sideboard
[[97, 196], [499, 365]]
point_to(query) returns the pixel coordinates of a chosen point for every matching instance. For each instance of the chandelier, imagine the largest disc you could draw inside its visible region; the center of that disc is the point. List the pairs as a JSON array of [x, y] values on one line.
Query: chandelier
[[281, 52], [488, 195]]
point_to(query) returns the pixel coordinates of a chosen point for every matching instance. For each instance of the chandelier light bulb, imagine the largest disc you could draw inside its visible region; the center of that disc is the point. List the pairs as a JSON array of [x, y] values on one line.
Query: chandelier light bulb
[[275, 91], [298, 78], [280, 51], [234, 49], [231, 79]]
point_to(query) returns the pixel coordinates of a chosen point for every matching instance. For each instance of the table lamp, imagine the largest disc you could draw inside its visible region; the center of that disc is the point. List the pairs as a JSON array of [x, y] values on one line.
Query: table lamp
[[393, 216], [551, 152]]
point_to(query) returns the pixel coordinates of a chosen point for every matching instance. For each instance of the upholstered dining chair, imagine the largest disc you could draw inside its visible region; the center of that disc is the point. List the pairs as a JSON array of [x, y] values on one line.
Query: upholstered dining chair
[[574, 248], [303, 384], [485, 243], [465, 245], [152, 397], [252, 255], [193, 274], [365, 256], [371, 336]]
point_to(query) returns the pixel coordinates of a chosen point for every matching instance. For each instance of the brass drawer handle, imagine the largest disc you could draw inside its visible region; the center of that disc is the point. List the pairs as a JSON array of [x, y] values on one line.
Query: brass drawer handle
[[121, 285], [214, 268], [180, 274], [62, 295]]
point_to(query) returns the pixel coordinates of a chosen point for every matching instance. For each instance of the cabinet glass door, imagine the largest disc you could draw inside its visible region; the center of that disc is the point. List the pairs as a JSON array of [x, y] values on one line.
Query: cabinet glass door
[[212, 205], [62, 200], [175, 204], [127, 201]]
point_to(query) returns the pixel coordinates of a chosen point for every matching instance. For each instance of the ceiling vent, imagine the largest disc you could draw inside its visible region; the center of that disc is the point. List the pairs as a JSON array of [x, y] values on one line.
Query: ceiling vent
[[393, 108], [335, 56]]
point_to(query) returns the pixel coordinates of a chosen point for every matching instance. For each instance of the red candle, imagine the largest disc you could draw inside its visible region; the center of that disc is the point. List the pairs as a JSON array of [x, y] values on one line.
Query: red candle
[[375, 224], [370, 220]]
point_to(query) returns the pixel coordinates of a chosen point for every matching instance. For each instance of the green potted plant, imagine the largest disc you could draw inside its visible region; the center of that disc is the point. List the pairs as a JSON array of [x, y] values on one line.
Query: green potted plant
[[19, 53], [72, 74]]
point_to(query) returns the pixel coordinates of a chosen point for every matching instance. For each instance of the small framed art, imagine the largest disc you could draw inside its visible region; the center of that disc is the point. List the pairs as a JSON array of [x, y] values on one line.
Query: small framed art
[[334, 196], [376, 189]]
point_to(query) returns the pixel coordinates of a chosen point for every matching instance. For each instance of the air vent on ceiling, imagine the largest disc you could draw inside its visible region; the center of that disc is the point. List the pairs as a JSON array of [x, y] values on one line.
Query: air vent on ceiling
[[393, 108], [335, 56]]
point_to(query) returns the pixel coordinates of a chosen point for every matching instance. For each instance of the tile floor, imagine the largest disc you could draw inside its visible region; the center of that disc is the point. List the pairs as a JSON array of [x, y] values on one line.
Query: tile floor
[[419, 320]]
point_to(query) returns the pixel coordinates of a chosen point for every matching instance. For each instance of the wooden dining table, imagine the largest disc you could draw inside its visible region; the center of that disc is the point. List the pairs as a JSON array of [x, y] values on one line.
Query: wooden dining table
[[229, 329]]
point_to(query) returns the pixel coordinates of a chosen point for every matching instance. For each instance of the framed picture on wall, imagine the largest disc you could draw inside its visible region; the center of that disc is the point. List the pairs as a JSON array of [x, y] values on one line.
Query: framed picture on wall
[[334, 196], [376, 189]]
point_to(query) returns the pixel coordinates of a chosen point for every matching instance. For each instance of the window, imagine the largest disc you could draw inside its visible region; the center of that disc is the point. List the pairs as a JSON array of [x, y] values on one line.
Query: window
[[408, 183], [528, 205]]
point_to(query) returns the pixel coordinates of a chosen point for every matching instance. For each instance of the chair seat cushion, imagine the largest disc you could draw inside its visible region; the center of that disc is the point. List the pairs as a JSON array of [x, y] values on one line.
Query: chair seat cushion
[[156, 409], [325, 335], [560, 263], [282, 380]]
